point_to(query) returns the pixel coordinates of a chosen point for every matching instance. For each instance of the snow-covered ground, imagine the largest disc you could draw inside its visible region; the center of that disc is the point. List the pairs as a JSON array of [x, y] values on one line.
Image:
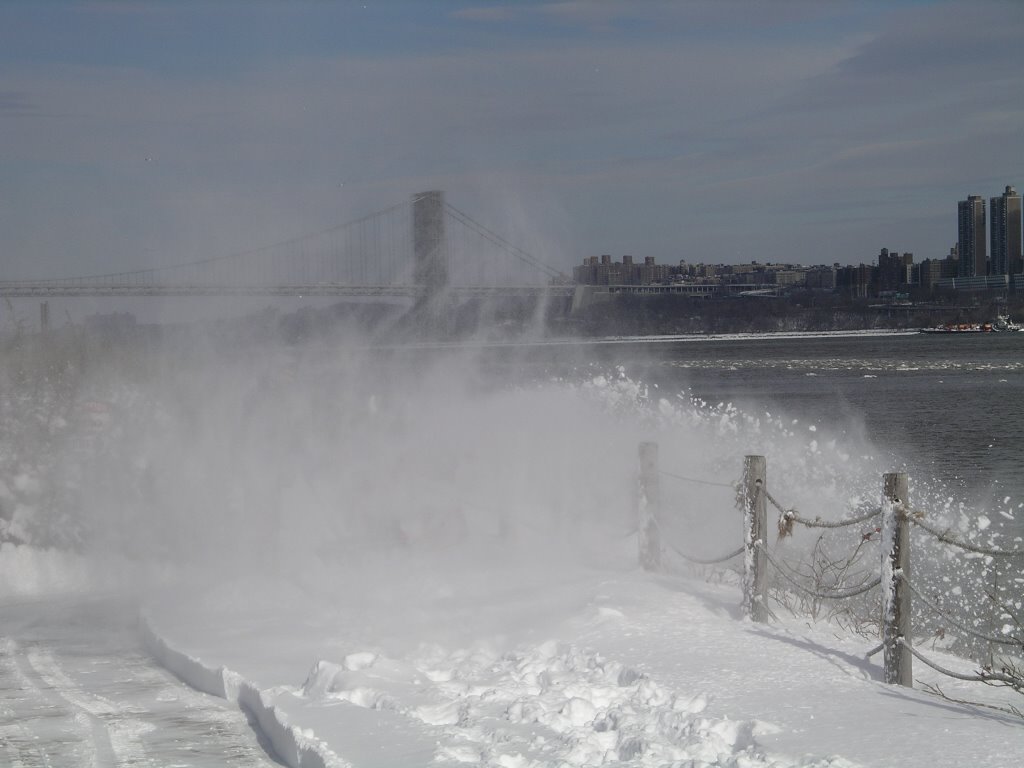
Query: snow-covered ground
[[458, 658], [388, 563], [77, 688]]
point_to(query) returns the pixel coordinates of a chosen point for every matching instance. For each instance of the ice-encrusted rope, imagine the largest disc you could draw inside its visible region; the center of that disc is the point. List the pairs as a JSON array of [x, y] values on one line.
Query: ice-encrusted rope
[[762, 489], [698, 481], [916, 518], [873, 651], [789, 516], [983, 676], [701, 561], [690, 558], [826, 595], [954, 622], [792, 515]]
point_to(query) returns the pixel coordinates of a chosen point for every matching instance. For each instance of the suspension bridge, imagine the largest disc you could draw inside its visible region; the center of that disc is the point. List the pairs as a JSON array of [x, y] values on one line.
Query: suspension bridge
[[423, 248]]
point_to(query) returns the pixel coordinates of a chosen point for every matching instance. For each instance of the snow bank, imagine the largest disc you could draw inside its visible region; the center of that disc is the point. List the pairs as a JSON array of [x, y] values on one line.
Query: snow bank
[[547, 705], [556, 704], [296, 747], [641, 672]]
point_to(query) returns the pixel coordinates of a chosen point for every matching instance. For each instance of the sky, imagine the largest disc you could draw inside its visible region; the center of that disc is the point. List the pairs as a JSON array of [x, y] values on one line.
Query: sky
[[139, 134]]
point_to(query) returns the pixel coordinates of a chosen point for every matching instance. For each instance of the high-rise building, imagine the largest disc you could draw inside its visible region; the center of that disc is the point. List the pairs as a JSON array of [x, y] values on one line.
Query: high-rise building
[[888, 270], [971, 236], [1006, 233]]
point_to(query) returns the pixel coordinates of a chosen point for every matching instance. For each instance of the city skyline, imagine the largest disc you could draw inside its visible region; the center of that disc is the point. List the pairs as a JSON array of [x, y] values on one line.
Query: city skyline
[[150, 133], [1004, 233]]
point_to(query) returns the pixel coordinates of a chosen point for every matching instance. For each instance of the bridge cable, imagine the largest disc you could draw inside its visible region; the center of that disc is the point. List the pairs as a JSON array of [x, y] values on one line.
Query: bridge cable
[[225, 257], [498, 240]]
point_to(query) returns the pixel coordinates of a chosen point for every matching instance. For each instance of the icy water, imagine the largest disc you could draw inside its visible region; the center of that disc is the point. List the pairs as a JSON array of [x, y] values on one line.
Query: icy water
[[947, 409], [937, 406]]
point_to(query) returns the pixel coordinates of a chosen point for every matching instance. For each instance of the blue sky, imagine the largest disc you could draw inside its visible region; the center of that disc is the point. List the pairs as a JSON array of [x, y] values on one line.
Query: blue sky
[[138, 134]]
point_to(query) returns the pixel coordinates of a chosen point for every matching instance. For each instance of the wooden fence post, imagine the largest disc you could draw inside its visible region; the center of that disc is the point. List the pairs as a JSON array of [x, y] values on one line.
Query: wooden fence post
[[895, 540], [649, 508], [755, 540]]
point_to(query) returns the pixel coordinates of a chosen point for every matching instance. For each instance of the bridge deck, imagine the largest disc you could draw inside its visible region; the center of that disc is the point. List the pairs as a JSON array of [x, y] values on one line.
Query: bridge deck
[[44, 290]]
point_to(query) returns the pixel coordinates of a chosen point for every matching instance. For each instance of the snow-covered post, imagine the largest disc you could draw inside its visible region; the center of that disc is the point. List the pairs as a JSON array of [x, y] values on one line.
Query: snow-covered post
[[648, 499], [755, 541], [895, 540]]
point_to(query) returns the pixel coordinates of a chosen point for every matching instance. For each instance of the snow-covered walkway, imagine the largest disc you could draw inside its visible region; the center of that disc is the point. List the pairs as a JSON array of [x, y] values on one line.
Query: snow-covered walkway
[[581, 666], [77, 690]]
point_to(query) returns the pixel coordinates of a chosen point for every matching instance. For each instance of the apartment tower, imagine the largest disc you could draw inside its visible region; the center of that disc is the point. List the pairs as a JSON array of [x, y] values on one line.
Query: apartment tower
[[1006, 233], [971, 236]]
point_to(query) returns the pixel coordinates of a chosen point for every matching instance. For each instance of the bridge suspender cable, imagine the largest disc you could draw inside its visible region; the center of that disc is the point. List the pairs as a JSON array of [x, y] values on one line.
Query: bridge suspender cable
[[501, 242]]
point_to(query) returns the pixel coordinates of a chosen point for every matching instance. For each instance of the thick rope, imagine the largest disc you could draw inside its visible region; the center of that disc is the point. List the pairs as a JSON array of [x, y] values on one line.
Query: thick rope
[[791, 514], [730, 486], [814, 593], [762, 489], [701, 561], [945, 538], [955, 623], [983, 676], [690, 558]]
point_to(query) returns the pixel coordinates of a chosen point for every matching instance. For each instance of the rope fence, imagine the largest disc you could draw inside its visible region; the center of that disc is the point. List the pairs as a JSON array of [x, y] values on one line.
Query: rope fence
[[963, 628], [790, 516], [693, 558], [916, 518], [982, 676], [711, 561], [896, 517], [696, 480], [839, 595]]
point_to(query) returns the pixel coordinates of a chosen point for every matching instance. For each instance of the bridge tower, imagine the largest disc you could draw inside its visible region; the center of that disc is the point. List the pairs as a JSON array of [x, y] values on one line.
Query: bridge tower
[[428, 245]]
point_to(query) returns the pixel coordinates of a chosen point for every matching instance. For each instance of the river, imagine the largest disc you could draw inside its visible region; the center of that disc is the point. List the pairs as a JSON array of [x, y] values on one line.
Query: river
[[949, 408]]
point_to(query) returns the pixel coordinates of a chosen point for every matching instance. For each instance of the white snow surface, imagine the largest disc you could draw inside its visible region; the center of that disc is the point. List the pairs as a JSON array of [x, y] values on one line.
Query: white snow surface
[[438, 578], [602, 666]]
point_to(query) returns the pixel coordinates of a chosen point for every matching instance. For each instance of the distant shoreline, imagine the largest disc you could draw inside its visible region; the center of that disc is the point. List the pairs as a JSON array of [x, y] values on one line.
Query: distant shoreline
[[650, 339]]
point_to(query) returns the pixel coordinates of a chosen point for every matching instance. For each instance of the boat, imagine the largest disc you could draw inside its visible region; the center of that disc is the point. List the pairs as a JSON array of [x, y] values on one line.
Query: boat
[[1004, 323], [1001, 323], [960, 328]]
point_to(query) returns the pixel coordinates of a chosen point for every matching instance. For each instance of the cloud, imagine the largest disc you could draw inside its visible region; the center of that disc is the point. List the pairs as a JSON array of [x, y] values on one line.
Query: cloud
[[125, 8], [486, 14], [584, 14], [944, 53], [948, 40], [692, 17], [16, 103], [587, 13]]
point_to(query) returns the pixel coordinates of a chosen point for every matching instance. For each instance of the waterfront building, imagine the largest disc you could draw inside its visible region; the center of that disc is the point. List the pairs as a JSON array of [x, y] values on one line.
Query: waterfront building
[[890, 268], [856, 281], [930, 272], [605, 271], [908, 270], [822, 277], [785, 277], [951, 264], [1006, 233], [971, 237]]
